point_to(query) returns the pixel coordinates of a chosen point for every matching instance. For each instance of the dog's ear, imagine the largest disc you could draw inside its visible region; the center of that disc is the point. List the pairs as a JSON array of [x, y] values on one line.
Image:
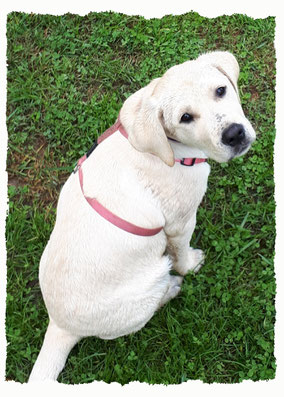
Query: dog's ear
[[225, 62], [141, 117]]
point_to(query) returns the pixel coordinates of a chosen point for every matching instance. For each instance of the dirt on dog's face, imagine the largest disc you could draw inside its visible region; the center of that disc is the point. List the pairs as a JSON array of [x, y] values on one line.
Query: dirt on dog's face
[[200, 107]]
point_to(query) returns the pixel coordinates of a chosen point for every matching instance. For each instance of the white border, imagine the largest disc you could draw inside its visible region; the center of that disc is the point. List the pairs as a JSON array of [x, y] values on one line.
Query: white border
[[149, 9]]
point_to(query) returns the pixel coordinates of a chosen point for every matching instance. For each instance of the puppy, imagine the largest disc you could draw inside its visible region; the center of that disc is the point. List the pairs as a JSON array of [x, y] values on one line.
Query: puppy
[[99, 278]]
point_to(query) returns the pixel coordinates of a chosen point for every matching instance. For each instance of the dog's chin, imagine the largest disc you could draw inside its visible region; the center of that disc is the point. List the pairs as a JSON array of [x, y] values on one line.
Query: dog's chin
[[229, 154], [240, 150], [220, 157]]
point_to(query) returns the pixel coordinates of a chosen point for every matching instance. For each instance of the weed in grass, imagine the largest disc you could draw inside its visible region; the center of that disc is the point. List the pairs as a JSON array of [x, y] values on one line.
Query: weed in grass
[[67, 79]]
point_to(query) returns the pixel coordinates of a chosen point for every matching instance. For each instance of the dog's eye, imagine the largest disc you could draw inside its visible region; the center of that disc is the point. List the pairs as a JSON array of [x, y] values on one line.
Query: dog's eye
[[186, 118], [220, 92]]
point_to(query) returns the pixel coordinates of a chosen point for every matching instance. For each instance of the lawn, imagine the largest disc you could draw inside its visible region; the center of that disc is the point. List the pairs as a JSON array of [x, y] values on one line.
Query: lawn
[[67, 79]]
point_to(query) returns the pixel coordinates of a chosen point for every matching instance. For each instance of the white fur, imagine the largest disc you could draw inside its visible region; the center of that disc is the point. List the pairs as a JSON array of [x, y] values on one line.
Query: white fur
[[99, 280]]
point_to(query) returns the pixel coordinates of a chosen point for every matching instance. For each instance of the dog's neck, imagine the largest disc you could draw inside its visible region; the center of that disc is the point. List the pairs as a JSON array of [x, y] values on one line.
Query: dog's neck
[[180, 150]]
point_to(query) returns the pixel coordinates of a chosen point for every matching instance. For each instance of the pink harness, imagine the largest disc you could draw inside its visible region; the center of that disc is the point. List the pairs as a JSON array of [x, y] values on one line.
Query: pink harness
[[104, 212]]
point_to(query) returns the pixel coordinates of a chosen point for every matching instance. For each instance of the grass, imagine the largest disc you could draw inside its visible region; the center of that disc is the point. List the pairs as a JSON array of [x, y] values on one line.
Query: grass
[[67, 79]]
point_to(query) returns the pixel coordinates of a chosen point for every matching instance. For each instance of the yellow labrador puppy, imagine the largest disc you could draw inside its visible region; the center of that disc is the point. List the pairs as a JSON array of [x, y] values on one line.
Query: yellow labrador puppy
[[126, 215]]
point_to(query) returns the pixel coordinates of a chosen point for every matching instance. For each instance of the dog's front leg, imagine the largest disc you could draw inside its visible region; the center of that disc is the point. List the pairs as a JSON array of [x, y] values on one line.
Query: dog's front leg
[[185, 258]]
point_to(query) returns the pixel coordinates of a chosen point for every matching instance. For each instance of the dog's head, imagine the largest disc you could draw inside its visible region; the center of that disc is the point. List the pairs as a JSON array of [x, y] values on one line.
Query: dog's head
[[196, 103]]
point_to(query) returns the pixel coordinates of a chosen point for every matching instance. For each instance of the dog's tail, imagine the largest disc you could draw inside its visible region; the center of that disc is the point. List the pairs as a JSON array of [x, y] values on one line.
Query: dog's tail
[[56, 346]]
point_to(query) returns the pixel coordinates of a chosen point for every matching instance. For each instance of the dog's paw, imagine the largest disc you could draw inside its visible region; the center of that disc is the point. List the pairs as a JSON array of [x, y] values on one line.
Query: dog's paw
[[195, 260], [173, 290]]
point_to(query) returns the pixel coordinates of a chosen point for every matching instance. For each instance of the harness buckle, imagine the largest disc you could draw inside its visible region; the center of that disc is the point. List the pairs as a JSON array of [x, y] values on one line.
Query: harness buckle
[[76, 168], [187, 165]]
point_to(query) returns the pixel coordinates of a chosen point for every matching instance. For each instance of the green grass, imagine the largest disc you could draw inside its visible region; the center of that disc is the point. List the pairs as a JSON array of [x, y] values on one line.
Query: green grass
[[67, 79]]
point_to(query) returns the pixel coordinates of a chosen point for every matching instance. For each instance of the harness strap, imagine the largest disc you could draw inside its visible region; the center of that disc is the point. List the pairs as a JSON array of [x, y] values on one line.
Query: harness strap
[[109, 216], [190, 162], [104, 212], [117, 126]]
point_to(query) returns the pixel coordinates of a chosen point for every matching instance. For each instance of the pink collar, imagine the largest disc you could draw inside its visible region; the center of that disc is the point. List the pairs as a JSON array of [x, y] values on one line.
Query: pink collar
[[104, 212]]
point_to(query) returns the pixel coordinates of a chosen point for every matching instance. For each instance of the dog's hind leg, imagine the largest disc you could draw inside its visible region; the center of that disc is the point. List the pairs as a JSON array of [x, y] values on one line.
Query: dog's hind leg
[[56, 346]]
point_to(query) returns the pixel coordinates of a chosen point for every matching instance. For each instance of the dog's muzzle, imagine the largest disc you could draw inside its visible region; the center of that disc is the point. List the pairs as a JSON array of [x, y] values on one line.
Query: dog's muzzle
[[235, 137]]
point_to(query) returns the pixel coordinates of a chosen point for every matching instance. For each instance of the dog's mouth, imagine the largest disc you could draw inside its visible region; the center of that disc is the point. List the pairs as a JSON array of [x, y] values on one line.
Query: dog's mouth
[[241, 149]]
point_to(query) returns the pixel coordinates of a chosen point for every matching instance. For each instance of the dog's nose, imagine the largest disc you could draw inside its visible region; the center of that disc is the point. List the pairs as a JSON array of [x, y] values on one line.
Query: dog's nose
[[233, 135]]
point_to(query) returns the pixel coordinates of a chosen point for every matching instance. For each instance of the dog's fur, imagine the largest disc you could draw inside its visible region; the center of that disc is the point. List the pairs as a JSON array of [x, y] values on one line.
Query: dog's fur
[[99, 280]]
